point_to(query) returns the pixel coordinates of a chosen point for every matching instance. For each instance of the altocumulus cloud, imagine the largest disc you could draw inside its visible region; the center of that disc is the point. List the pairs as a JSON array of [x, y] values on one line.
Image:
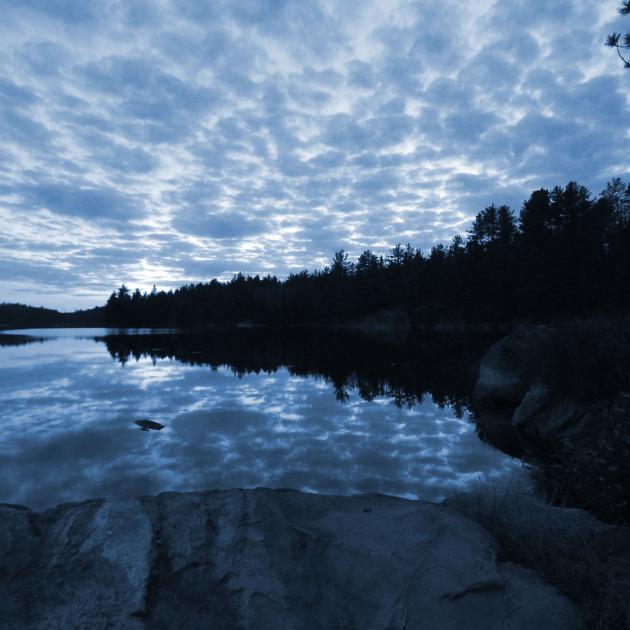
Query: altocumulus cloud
[[163, 142]]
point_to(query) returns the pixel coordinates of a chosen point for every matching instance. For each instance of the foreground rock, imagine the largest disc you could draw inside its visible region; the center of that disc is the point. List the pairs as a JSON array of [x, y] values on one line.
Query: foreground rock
[[263, 559]]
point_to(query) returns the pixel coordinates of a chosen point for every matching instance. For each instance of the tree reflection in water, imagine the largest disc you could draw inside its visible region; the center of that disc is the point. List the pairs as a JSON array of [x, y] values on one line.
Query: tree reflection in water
[[442, 366]]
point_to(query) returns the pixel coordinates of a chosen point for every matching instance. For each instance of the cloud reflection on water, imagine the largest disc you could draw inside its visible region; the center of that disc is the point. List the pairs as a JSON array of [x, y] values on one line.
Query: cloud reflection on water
[[67, 431]]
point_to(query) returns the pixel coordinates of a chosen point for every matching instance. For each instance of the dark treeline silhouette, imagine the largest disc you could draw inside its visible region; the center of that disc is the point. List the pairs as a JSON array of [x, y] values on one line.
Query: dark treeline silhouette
[[22, 316], [566, 254], [442, 366]]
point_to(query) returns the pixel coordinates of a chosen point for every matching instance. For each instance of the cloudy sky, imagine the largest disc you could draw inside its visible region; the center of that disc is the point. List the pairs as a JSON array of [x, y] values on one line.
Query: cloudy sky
[[170, 141]]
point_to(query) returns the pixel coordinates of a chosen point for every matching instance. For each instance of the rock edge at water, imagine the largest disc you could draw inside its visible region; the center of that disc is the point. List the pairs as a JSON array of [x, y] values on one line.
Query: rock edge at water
[[581, 439], [263, 559]]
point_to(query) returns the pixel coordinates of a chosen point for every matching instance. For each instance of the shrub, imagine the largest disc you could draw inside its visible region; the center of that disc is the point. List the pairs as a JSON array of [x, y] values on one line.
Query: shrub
[[588, 359]]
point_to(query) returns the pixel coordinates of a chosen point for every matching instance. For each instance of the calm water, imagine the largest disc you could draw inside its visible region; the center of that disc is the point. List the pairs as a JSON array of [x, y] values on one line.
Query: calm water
[[239, 410]]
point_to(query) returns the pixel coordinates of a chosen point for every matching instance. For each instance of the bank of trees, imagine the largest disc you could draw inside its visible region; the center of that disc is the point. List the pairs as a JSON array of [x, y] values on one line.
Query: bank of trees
[[565, 254], [22, 316]]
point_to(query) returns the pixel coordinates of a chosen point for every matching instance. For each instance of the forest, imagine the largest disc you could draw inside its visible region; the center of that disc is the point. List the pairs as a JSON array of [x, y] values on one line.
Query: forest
[[566, 254], [22, 316]]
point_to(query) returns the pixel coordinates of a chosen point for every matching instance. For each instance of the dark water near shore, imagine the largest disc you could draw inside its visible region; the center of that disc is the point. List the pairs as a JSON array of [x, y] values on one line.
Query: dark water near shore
[[323, 413]]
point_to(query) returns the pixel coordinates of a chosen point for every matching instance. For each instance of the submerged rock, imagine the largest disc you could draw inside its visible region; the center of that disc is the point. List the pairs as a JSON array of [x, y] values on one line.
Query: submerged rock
[[264, 559]]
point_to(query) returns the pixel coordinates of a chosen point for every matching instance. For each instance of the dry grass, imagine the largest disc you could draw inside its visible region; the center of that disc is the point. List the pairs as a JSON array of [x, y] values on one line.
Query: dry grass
[[584, 558]]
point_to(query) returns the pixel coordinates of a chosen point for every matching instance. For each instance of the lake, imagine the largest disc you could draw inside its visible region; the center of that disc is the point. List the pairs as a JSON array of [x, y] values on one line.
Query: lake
[[328, 413]]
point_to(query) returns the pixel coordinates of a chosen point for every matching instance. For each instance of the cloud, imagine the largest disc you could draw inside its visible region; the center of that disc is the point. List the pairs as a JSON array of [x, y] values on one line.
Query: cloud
[[278, 132], [71, 11], [219, 225], [85, 202]]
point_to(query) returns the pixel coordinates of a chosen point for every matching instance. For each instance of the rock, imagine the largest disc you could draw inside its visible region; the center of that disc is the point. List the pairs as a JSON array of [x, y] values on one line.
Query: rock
[[585, 557], [506, 375], [18, 539], [507, 371], [18, 545], [542, 416], [560, 389], [149, 425], [90, 568], [264, 559]]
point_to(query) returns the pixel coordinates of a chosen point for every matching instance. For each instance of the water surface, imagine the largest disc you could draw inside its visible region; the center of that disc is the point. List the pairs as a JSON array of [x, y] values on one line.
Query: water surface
[[337, 414]]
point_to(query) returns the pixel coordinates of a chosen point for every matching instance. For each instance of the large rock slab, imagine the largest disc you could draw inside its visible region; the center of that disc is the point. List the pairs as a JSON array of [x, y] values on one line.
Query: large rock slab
[[89, 564], [263, 559]]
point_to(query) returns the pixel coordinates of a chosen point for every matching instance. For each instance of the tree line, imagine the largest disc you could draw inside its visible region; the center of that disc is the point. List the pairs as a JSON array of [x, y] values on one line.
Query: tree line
[[22, 316], [566, 254]]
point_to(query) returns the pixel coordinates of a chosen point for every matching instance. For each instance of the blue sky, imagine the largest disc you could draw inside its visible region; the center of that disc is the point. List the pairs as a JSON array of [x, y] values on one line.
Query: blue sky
[[179, 140]]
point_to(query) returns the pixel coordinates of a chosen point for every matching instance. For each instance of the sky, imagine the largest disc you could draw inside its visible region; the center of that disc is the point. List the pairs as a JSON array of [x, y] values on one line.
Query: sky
[[173, 141]]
